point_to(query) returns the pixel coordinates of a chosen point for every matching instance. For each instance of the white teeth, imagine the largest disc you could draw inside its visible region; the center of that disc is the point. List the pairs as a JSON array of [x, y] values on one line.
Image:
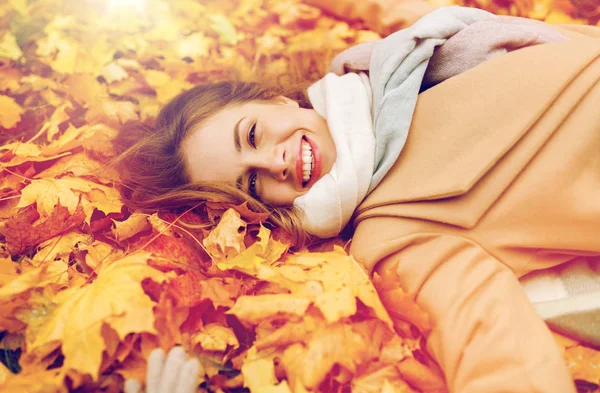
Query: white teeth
[[307, 160]]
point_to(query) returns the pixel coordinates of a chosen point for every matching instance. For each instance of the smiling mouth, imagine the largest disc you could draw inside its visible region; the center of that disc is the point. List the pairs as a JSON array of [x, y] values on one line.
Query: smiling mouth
[[308, 160]]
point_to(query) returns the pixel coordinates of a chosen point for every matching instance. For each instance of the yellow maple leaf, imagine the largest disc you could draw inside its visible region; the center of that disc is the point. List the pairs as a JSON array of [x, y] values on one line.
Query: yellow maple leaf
[[39, 305], [115, 298], [11, 112], [93, 137], [9, 47], [223, 27], [8, 270], [253, 309], [59, 247], [259, 373], [135, 224], [112, 113], [20, 6], [333, 278], [99, 252], [54, 272], [336, 304], [386, 379], [59, 116], [193, 46], [337, 344], [50, 192], [79, 164], [26, 152], [165, 86], [264, 250], [4, 373], [39, 381], [113, 72], [58, 52], [309, 360], [21, 149], [85, 89], [105, 199], [215, 337]]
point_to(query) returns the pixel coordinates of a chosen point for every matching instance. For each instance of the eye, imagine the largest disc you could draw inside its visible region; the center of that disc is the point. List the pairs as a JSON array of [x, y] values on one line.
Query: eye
[[252, 136], [252, 185]]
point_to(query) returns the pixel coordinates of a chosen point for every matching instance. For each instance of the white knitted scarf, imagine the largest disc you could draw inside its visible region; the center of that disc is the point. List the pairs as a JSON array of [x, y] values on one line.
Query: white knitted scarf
[[346, 102]]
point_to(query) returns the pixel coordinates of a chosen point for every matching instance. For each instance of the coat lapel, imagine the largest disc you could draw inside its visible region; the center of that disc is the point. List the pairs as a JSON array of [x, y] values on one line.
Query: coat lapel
[[491, 119]]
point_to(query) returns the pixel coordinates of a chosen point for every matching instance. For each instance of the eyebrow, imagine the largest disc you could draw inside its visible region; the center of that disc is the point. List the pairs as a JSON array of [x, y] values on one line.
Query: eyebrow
[[236, 135]]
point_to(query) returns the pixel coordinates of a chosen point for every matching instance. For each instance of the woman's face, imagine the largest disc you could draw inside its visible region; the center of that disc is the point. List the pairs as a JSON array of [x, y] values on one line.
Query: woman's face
[[273, 149]]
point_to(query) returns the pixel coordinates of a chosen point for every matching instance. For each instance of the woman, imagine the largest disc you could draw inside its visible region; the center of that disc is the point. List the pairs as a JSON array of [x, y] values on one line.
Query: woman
[[489, 175]]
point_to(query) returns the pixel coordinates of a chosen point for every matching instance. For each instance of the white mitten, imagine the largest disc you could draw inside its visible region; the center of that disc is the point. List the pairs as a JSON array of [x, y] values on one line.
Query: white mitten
[[176, 374]]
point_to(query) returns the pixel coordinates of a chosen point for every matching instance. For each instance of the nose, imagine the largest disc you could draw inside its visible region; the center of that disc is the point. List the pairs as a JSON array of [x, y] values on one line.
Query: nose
[[275, 161]]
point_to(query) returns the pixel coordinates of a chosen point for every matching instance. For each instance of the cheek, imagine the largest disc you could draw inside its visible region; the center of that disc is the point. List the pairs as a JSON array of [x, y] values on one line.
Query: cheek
[[278, 194]]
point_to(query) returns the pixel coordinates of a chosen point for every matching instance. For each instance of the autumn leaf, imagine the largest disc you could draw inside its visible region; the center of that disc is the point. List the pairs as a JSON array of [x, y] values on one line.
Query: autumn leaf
[[112, 113], [113, 72], [11, 112], [88, 290], [259, 374], [42, 381], [9, 48], [227, 239], [66, 191], [49, 193], [264, 250], [26, 228], [398, 303], [98, 252], [53, 272], [252, 309], [59, 247], [215, 337], [135, 224], [58, 52], [223, 27], [115, 298], [385, 379], [193, 46], [17, 153], [336, 344], [341, 278], [79, 164], [60, 115]]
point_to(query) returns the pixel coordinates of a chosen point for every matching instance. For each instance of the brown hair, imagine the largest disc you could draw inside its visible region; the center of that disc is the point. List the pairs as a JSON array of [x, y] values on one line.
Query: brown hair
[[152, 168]]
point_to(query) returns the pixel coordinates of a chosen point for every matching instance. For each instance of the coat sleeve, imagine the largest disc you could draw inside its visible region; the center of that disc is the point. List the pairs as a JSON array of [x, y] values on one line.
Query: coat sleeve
[[485, 333]]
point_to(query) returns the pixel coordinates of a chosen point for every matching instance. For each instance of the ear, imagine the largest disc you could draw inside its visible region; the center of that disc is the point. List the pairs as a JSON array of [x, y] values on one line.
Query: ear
[[282, 100]]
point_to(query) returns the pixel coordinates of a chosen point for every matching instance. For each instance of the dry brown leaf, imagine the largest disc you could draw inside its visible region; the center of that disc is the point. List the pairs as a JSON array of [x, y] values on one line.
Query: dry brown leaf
[[227, 239]]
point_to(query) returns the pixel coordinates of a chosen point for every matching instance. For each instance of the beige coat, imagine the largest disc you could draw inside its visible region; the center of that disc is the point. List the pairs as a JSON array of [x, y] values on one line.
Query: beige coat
[[500, 176]]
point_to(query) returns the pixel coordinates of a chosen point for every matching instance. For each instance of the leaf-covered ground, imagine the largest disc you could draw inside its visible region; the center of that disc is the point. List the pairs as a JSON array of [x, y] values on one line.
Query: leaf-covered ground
[[89, 288]]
